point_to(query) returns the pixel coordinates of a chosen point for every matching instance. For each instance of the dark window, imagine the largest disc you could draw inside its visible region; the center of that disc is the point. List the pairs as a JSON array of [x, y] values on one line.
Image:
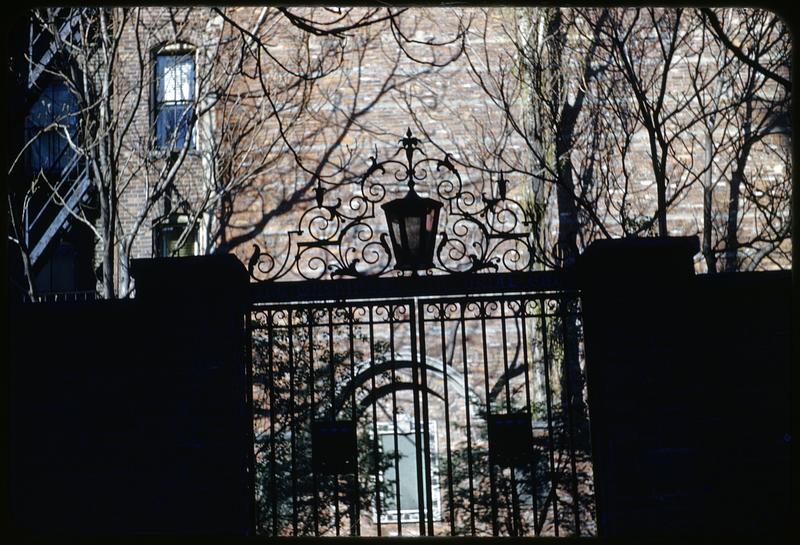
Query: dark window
[[50, 116], [168, 236], [175, 83]]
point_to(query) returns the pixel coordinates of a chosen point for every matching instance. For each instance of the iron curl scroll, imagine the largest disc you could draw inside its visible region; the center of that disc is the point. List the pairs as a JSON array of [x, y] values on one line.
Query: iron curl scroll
[[346, 236]]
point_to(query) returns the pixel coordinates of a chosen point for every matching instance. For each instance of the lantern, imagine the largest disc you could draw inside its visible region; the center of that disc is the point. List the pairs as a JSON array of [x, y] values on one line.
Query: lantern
[[413, 222]]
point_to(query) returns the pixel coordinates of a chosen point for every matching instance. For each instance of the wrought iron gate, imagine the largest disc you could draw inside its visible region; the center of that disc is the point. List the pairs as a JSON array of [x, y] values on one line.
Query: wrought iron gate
[[450, 403], [421, 416]]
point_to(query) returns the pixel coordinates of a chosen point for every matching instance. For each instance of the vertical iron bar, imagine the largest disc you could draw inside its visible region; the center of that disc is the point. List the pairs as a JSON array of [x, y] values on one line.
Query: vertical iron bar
[[355, 516], [517, 515], [548, 400], [427, 433], [273, 420], [394, 420], [516, 518], [292, 424], [450, 496], [534, 501], [311, 412], [426, 419], [469, 429], [570, 417], [332, 363], [375, 451], [493, 490], [505, 353], [417, 431]]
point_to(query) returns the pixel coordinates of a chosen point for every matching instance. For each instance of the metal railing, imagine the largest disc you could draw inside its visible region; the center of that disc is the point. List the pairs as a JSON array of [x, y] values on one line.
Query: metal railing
[[37, 43], [421, 416], [64, 296], [57, 207]]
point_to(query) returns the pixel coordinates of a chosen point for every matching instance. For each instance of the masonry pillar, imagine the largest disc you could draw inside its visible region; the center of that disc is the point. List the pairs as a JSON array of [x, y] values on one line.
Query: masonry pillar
[[633, 298], [131, 417], [689, 398], [202, 444]]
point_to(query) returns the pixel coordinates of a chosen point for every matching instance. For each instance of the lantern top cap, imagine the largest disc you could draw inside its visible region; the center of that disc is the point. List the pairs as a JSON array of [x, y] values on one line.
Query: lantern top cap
[[412, 200]]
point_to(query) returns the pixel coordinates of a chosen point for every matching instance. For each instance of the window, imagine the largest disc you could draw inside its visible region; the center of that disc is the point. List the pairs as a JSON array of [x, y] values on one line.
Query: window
[[168, 234], [49, 151], [175, 82], [407, 465]]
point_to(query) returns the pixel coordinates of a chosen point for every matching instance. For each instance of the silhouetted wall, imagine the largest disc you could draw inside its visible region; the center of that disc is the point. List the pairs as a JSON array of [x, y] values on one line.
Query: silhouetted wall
[[131, 417], [688, 381]]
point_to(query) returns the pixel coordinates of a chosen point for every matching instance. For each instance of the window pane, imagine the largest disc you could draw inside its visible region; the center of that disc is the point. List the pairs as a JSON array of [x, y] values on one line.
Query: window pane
[[63, 104], [408, 472], [396, 231], [412, 232], [175, 76], [54, 105], [172, 124], [49, 151], [169, 236], [40, 152]]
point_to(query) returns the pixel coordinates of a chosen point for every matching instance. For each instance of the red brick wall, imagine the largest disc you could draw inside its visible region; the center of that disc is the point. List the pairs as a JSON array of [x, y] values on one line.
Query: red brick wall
[[448, 101]]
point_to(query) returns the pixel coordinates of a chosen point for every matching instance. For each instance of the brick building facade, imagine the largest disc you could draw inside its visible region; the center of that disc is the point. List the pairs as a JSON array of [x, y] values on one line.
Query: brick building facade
[[274, 111], [365, 106], [350, 113]]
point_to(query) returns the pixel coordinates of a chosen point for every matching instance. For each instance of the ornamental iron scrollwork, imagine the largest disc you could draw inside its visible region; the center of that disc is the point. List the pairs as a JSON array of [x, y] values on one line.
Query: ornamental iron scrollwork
[[346, 237]]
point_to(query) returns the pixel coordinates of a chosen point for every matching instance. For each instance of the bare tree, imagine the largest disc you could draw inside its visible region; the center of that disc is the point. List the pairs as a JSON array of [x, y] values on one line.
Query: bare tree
[[704, 110], [269, 99], [535, 87], [618, 118], [97, 129], [648, 48], [756, 118], [88, 129], [775, 67], [325, 149]]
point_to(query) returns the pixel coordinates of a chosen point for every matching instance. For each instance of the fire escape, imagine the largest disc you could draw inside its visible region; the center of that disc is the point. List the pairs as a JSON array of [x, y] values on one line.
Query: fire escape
[[68, 182]]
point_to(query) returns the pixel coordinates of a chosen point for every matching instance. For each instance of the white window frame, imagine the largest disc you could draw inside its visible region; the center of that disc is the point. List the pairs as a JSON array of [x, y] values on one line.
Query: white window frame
[[405, 426], [173, 50]]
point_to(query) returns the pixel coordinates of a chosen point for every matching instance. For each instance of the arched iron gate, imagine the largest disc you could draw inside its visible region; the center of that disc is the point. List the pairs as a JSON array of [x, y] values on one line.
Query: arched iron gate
[[449, 403], [421, 412]]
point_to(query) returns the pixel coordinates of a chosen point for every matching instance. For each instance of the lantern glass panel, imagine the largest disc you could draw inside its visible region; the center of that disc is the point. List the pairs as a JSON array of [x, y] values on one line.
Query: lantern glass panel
[[413, 234], [396, 230], [429, 220]]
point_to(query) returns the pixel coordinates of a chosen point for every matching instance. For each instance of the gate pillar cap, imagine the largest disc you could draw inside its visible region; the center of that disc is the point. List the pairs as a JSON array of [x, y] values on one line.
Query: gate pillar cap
[[618, 261], [210, 277]]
